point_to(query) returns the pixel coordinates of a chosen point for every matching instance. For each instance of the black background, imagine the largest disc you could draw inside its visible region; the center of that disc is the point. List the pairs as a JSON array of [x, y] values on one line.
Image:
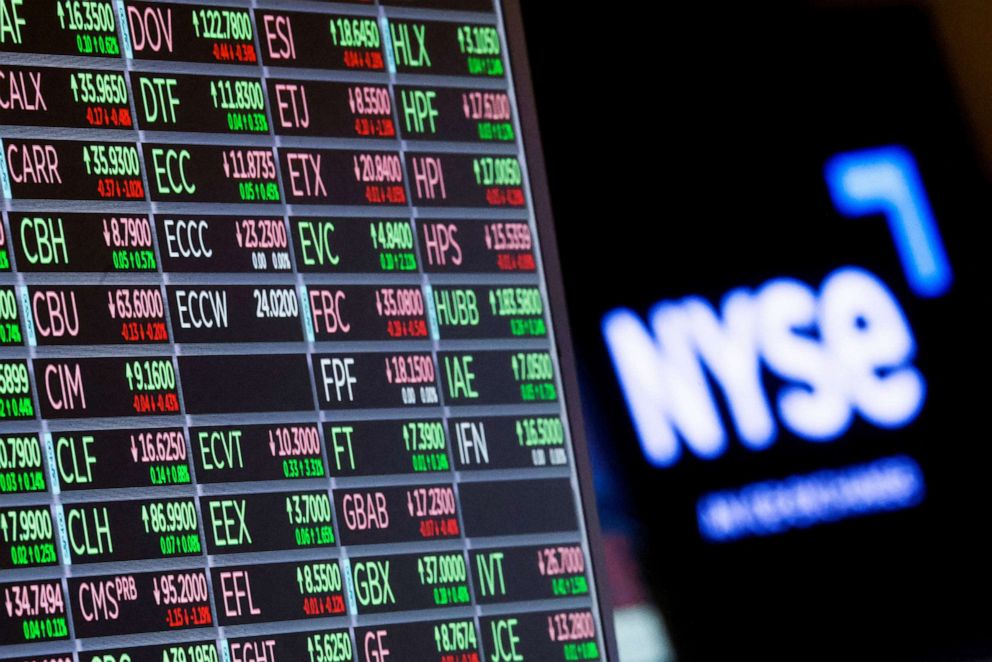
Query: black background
[[685, 149]]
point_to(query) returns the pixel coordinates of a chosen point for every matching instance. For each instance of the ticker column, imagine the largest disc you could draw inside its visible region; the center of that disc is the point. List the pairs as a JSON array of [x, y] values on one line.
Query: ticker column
[[236, 318], [158, 39], [41, 179], [313, 105], [500, 384], [383, 430], [155, 106]]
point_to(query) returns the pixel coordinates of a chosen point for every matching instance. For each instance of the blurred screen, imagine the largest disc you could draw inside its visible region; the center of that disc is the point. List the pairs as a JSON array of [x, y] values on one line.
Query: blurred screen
[[771, 227]]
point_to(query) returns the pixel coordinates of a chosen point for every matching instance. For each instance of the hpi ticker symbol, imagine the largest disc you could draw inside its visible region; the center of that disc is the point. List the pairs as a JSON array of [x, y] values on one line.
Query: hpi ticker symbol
[[886, 180]]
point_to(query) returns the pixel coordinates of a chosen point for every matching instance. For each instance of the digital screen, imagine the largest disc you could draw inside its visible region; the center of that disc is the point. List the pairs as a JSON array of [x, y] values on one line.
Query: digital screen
[[279, 375]]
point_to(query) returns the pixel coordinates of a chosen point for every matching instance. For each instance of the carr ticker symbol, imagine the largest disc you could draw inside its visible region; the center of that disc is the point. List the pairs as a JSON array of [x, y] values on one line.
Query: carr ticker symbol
[[886, 180]]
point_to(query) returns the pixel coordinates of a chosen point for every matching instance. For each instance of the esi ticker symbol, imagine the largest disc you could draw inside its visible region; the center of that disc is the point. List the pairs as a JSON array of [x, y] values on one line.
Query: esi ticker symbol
[[844, 351]]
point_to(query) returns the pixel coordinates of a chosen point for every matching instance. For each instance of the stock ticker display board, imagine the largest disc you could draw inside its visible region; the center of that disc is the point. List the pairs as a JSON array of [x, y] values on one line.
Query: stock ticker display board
[[279, 379]]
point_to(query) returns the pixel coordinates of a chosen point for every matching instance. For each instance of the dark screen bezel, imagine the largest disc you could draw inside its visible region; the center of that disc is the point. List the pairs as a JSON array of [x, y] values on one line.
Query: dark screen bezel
[[541, 205]]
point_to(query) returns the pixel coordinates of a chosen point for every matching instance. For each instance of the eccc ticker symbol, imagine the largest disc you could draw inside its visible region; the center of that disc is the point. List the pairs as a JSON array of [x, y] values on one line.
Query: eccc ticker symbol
[[842, 351]]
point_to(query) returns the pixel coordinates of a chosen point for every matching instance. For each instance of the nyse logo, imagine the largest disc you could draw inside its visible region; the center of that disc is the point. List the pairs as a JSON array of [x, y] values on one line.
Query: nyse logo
[[843, 351]]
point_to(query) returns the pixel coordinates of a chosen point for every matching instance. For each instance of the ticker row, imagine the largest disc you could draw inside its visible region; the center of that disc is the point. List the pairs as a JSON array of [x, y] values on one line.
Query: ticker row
[[83, 170], [118, 386], [56, 315], [251, 522], [140, 602], [108, 243], [144, 457], [94, 98], [233, 35], [548, 636]]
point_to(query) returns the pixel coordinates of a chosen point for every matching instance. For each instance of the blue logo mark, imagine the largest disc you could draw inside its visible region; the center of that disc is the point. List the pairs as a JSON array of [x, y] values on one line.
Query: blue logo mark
[[886, 180]]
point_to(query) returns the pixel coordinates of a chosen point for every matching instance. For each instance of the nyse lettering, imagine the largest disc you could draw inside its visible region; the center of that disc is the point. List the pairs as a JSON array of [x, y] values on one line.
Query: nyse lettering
[[844, 351]]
